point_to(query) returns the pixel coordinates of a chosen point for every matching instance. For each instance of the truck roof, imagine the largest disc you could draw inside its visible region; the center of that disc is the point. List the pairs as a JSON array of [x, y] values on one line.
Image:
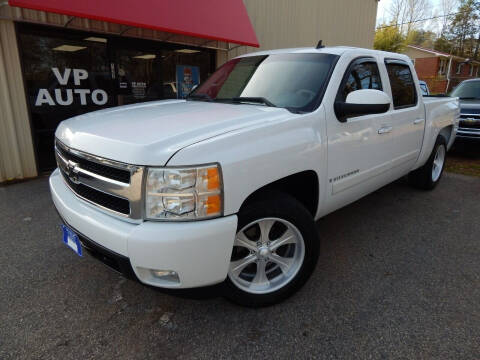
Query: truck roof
[[336, 50]]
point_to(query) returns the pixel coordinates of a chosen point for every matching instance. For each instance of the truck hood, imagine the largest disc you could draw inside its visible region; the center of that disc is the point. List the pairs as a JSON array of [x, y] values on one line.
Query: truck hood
[[150, 133]]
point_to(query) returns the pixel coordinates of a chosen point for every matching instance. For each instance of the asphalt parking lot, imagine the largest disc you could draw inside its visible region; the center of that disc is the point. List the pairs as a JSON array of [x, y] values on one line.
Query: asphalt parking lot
[[399, 277]]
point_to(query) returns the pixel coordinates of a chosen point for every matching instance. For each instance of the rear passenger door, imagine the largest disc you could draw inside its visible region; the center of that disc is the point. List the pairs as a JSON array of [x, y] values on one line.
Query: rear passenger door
[[408, 116]]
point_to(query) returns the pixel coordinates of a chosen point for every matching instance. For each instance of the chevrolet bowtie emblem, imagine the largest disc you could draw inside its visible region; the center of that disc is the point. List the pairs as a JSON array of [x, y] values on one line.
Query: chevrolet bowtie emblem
[[72, 172]]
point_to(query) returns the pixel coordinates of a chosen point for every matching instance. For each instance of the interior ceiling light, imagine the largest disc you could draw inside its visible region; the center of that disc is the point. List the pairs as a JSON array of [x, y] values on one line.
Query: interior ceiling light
[[187, 51], [97, 39], [69, 48], [145, 57]]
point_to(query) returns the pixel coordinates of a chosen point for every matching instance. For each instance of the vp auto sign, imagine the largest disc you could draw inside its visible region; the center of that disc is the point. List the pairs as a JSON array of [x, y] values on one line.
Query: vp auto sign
[[55, 97]]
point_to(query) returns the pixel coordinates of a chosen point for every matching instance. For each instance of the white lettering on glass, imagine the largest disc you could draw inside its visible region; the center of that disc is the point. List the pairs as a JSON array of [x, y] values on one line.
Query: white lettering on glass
[[83, 95], [78, 75], [98, 96], [60, 101], [44, 97], [102, 93], [62, 80]]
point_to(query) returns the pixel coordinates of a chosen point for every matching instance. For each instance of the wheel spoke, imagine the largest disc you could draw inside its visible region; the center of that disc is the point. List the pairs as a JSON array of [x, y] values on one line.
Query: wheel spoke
[[236, 267], [242, 241], [265, 227], [261, 276], [288, 237], [283, 262]]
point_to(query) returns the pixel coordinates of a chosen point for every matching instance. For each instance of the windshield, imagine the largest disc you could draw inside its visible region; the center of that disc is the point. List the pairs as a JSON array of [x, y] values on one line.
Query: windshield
[[292, 81], [467, 90]]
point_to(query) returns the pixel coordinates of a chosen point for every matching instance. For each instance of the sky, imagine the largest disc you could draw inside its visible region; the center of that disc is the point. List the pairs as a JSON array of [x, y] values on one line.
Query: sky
[[383, 16]]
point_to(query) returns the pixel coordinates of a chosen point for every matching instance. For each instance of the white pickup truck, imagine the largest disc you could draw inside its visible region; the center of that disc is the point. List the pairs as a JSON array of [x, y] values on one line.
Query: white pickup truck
[[225, 186]]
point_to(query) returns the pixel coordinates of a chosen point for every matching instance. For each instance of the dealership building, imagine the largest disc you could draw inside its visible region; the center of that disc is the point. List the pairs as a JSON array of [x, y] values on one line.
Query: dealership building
[[59, 59]]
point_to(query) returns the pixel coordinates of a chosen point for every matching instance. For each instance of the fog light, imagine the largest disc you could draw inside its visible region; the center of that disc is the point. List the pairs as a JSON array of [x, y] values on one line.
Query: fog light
[[166, 275]]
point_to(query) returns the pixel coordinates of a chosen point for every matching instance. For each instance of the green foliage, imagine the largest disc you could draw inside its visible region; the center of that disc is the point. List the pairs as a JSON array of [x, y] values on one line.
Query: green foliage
[[465, 29], [389, 38], [460, 34], [443, 44], [421, 37]]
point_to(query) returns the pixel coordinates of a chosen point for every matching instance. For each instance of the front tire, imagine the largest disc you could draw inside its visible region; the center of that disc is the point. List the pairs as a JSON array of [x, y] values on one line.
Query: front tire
[[429, 175], [275, 251]]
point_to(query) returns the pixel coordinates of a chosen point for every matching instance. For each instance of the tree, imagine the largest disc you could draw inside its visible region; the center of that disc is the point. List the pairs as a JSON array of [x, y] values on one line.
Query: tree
[[389, 38], [443, 44], [448, 7], [421, 37], [465, 28], [416, 10], [407, 13]]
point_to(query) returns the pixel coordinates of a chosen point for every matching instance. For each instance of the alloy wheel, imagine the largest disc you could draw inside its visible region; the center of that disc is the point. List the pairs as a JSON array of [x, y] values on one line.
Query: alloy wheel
[[438, 163], [267, 254]]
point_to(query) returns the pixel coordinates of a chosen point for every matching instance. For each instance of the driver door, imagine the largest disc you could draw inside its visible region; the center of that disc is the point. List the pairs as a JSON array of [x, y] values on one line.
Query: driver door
[[359, 150]]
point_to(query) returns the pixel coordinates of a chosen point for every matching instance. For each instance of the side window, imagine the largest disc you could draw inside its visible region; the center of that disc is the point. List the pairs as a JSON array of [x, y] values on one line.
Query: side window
[[362, 75], [402, 84]]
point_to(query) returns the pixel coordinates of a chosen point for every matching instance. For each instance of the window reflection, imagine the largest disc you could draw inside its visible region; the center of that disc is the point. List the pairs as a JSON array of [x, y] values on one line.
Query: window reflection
[[403, 87], [362, 76]]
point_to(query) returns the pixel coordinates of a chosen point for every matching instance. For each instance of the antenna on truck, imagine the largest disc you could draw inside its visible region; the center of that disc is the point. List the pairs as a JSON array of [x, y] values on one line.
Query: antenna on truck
[[319, 45]]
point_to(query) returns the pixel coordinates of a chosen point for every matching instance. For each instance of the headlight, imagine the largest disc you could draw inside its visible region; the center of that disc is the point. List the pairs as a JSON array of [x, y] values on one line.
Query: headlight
[[184, 193]]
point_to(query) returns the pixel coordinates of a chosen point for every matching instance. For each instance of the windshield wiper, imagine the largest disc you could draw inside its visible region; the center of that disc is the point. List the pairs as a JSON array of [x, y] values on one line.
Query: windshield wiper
[[199, 96], [259, 100], [469, 98]]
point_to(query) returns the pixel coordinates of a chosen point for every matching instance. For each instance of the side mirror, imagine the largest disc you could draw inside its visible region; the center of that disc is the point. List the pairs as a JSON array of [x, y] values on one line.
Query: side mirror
[[362, 102]]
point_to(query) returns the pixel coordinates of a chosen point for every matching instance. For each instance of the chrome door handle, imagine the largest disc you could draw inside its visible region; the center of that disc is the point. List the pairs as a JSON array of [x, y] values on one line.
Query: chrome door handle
[[417, 121], [385, 130]]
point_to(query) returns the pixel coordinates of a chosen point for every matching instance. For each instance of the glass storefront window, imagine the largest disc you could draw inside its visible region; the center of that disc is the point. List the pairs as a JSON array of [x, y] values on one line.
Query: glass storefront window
[[64, 78], [68, 73]]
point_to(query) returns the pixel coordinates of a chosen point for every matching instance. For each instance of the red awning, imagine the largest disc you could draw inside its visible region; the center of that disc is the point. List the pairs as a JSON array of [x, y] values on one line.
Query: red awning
[[223, 20]]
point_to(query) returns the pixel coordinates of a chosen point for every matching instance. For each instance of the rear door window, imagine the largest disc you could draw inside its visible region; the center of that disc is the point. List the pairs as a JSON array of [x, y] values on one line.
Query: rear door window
[[402, 85]]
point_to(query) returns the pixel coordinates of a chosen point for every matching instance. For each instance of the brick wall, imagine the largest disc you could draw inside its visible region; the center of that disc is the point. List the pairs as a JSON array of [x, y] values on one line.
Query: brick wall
[[427, 67], [437, 86], [427, 70], [465, 70]]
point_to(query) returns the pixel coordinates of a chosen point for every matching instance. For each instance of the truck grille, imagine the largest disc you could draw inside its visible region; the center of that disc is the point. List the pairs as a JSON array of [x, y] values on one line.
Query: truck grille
[[107, 171], [105, 200], [113, 186], [471, 121]]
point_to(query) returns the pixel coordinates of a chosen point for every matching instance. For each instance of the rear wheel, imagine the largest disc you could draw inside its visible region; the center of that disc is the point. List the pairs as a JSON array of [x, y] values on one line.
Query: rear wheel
[[275, 251], [429, 175]]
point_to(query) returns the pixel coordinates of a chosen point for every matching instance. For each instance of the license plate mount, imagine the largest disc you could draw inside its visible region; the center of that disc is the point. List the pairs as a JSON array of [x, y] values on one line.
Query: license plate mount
[[71, 240]]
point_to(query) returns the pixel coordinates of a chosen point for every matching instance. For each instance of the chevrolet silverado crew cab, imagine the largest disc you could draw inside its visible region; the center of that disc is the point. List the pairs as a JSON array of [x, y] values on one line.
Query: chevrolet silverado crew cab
[[225, 186]]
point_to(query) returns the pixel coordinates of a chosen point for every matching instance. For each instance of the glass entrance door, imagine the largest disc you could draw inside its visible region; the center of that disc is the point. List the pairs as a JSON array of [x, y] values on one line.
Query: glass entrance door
[[138, 74]]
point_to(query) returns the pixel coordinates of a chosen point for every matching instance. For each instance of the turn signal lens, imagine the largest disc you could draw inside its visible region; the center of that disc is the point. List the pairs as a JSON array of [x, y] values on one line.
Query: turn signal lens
[[213, 179], [213, 204]]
